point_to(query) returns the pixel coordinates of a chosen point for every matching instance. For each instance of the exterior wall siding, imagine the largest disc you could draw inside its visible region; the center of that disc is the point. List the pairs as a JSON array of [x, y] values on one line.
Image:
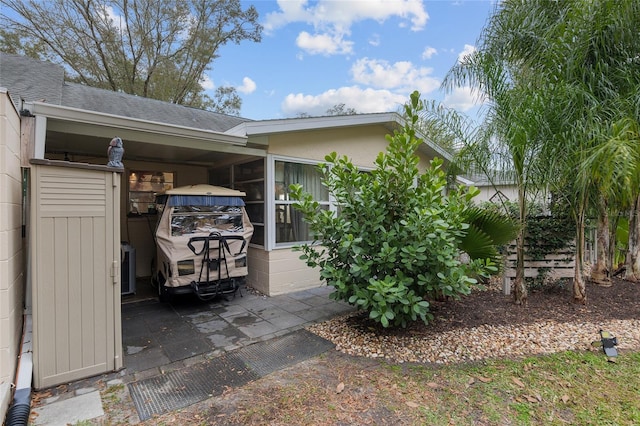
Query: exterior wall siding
[[362, 144], [11, 247], [280, 271], [486, 192], [258, 269], [287, 273]]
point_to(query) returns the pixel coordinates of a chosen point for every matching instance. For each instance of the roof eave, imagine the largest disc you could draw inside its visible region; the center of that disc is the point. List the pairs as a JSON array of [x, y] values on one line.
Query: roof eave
[[390, 120], [125, 123], [266, 127]]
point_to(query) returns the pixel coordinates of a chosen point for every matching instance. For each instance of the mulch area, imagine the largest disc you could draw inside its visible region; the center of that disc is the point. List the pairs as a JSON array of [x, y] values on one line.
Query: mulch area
[[491, 307], [620, 301]]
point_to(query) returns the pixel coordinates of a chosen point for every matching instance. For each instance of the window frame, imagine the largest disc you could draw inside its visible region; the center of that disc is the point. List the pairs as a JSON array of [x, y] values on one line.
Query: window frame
[[271, 202], [258, 226]]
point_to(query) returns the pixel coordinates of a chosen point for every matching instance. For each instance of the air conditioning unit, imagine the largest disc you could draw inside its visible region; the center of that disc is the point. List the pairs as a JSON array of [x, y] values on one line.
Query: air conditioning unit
[[128, 268]]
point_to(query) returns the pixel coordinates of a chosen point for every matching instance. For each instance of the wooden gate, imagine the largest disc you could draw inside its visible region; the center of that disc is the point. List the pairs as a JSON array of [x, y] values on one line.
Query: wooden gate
[[75, 268]]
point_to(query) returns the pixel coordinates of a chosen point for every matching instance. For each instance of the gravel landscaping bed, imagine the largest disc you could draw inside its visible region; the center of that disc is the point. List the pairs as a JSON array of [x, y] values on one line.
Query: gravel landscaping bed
[[487, 324]]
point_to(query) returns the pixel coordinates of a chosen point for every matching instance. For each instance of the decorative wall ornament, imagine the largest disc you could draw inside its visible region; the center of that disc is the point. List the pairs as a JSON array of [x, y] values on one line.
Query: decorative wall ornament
[[115, 152]]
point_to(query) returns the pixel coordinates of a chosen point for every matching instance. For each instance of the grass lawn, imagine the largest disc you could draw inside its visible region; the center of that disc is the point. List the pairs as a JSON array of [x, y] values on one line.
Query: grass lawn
[[578, 388], [566, 388]]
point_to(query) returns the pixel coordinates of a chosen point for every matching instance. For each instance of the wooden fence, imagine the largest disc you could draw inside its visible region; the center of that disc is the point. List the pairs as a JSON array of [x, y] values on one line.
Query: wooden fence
[[560, 264]]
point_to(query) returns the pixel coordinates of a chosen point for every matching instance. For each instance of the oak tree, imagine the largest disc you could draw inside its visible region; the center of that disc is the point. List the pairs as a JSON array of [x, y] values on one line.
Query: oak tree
[[158, 49]]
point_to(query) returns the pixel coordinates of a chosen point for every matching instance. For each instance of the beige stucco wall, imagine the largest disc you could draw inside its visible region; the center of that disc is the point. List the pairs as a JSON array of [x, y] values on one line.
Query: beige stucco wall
[[486, 192], [11, 247], [258, 269], [280, 271], [361, 144]]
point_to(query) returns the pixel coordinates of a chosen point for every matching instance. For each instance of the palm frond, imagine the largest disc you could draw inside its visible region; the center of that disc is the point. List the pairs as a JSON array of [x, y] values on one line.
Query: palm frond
[[487, 231]]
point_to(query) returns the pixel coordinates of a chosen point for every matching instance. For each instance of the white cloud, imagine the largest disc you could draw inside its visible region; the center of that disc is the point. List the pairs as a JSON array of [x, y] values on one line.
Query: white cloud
[[468, 49], [461, 98], [341, 14], [400, 76], [248, 86], [323, 44], [109, 14], [290, 11], [429, 52], [362, 100], [333, 19], [206, 82]]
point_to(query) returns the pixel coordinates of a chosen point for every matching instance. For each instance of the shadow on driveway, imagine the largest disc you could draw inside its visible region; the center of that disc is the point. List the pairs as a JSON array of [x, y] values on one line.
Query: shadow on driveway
[[157, 334]]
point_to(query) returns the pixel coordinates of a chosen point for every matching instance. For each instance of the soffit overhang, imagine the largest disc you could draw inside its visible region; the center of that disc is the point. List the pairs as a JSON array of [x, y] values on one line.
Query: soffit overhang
[[72, 130], [391, 121]]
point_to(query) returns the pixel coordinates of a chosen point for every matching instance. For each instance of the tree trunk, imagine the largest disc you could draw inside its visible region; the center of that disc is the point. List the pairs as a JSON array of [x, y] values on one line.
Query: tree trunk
[[613, 243], [632, 270], [600, 273], [579, 286], [519, 284]]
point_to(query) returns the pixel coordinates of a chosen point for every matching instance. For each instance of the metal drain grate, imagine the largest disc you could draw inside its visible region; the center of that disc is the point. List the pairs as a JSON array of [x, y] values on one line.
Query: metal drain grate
[[275, 354], [181, 388]]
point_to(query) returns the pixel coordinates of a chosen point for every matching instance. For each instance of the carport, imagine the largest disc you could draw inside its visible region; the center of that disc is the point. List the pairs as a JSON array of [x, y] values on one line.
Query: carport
[[71, 145], [190, 155], [172, 145]]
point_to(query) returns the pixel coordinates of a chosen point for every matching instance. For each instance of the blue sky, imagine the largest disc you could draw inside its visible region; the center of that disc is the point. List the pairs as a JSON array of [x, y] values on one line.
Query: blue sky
[[368, 54]]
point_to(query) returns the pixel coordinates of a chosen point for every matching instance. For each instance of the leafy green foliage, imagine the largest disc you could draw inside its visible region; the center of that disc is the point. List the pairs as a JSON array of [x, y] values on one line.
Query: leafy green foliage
[[549, 234], [488, 229], [394, 245]]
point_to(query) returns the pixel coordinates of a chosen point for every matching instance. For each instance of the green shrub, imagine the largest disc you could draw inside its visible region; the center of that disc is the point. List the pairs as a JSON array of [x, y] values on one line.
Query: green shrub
[[394, 244]]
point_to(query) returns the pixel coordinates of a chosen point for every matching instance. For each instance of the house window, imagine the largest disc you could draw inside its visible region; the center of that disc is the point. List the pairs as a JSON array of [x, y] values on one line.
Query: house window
[[249, 178], [290, 228], [143, 187]]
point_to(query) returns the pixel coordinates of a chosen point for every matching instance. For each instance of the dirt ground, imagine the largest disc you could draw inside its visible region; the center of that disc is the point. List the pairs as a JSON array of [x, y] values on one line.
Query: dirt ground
[[340, 389], [620, 301]]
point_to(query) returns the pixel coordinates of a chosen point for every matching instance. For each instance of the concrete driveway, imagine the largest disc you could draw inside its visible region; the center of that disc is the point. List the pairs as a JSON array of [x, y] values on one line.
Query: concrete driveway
[[158, 334]]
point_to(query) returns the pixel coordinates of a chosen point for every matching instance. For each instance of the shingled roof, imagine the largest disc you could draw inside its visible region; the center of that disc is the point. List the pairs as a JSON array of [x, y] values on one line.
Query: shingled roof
[[30, 80]]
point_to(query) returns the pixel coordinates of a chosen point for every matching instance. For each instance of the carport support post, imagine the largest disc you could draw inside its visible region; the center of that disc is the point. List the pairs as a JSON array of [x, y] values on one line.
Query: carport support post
[[117, 309]]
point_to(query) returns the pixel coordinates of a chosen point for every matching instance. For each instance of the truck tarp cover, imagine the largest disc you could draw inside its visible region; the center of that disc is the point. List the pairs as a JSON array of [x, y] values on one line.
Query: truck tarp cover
[[201, 211]]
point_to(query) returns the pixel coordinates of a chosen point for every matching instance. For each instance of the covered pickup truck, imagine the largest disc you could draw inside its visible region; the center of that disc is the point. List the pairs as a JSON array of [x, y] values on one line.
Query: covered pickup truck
[[202, 236]]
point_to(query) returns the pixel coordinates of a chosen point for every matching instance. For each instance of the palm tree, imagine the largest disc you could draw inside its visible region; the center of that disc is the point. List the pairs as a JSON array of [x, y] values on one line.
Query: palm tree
[[617, 163], [602, 66], [512, 139], [553, 75]]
